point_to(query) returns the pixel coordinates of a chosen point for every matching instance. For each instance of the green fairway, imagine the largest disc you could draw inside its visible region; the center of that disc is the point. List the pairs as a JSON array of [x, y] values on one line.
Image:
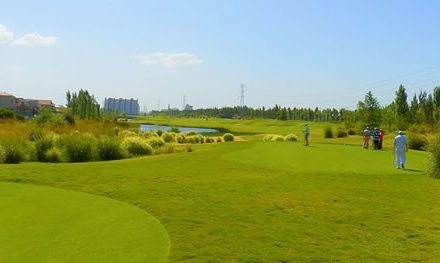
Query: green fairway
[[45, 224], [270, 201]]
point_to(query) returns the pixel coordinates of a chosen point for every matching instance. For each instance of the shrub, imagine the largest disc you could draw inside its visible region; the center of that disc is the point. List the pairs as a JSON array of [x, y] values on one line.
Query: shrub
[[191, 133], [128, 133], [417, 141], [188, 148], [155, 142], [110, 149], [291, 138], [180, 138], [68, 117], [6, 113], [54, 155], [328, 132], [159, 132], [200, 138], [228, 137], [219, 139], [351, 131], [14, 152], [341, 133], [191, 139], [149, 134], [209, 140], [169, 137], [78, 147], [35, 134], [174, 129], [434, 169], [136, 146], [2, 155], [42, 146], [273, 138]]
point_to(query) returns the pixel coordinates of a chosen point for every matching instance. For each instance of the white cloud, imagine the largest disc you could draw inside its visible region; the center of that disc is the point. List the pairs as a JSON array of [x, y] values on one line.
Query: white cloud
[[35, 39], [5, 34], [168, 59]]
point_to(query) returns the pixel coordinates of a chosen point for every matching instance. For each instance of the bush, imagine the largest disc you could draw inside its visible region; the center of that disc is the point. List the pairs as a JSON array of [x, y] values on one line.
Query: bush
[[35, 134], [351, 131], [78, 147], [180, 138], [417, 141], [68, 117], [54, 155], [328, 132], [128, 133], [155, 142], [209, 140], [434, 169], [273, 138], [6, 113], [110, 149], [136, 146], [219, 139], [169, 137], [42, 146], [228, 137], [191, 133], [174, 129], [341, 133], [159, 132], [14, 152], [291, 138], [149, 134], [192, 139]]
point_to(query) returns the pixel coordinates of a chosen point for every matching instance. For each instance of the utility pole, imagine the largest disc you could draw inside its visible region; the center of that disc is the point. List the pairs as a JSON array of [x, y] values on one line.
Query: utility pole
[[184, 102]]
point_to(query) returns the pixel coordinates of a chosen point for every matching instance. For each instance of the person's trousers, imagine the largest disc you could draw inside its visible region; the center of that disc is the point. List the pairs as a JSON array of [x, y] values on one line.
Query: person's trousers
[[400, 158], [376, 144], [366, 142]]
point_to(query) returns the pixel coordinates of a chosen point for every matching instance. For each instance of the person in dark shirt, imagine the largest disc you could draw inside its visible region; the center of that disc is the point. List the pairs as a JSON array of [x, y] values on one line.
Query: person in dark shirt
[[376, 136]]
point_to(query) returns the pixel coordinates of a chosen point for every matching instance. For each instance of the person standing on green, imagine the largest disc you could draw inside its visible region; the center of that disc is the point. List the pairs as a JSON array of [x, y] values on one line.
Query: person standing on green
[[306, 134]]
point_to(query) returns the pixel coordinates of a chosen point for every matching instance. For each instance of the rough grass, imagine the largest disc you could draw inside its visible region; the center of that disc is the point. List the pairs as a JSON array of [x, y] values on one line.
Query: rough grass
[[270, 202]]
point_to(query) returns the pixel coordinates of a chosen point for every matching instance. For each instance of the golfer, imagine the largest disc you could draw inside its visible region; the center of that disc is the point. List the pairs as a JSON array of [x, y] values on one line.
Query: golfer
[[376, 136], [306, 134], [381, 138], [366, 134], [400, 148]]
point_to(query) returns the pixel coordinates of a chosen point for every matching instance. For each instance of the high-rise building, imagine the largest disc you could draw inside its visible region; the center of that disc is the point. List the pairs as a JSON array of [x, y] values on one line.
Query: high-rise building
[[128, 106]]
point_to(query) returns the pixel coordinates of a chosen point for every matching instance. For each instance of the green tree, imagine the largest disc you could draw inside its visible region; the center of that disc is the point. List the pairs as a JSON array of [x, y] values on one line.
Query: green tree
[[369, 111], [402, 108], [83, 105]]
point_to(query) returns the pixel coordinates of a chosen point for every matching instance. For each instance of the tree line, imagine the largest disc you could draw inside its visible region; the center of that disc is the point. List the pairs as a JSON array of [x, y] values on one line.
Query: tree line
[[424, 108]]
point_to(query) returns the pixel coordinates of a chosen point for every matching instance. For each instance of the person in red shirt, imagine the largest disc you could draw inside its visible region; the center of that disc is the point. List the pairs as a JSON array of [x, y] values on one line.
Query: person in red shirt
[[381, 138]]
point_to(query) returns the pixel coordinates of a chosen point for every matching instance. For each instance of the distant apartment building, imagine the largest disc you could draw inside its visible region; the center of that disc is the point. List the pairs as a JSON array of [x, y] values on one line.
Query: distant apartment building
[[128, 106]]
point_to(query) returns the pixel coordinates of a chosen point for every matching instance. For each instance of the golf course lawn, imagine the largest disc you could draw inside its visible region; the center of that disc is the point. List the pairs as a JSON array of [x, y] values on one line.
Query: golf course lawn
[[45, 224], [256, 201]]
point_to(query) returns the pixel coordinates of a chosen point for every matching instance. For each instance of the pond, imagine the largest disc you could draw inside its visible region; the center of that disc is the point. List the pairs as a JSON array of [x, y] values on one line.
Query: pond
[[152, 127]]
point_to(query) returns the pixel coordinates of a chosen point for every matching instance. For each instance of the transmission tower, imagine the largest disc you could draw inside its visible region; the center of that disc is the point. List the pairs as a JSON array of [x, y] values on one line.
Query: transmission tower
[[184, 102], [242, 96]]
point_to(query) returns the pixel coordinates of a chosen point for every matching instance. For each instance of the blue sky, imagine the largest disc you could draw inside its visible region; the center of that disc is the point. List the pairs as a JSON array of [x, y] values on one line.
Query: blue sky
[[293, 53]]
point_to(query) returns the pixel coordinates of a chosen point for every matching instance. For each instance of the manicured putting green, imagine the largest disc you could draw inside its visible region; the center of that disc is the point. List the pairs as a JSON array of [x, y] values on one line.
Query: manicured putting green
[[45, 224]]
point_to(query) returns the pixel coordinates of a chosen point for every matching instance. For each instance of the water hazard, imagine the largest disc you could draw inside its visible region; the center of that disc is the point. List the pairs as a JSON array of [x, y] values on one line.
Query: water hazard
[[152, 127]]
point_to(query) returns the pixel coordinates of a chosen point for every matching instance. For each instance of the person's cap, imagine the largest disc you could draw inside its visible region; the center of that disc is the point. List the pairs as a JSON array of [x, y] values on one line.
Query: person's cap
[[400, 132], [381, 130], [375, 128], [367, 127]]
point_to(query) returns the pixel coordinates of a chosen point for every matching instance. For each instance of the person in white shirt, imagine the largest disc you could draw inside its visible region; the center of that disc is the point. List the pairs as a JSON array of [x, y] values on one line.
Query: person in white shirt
[[400, 148]]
